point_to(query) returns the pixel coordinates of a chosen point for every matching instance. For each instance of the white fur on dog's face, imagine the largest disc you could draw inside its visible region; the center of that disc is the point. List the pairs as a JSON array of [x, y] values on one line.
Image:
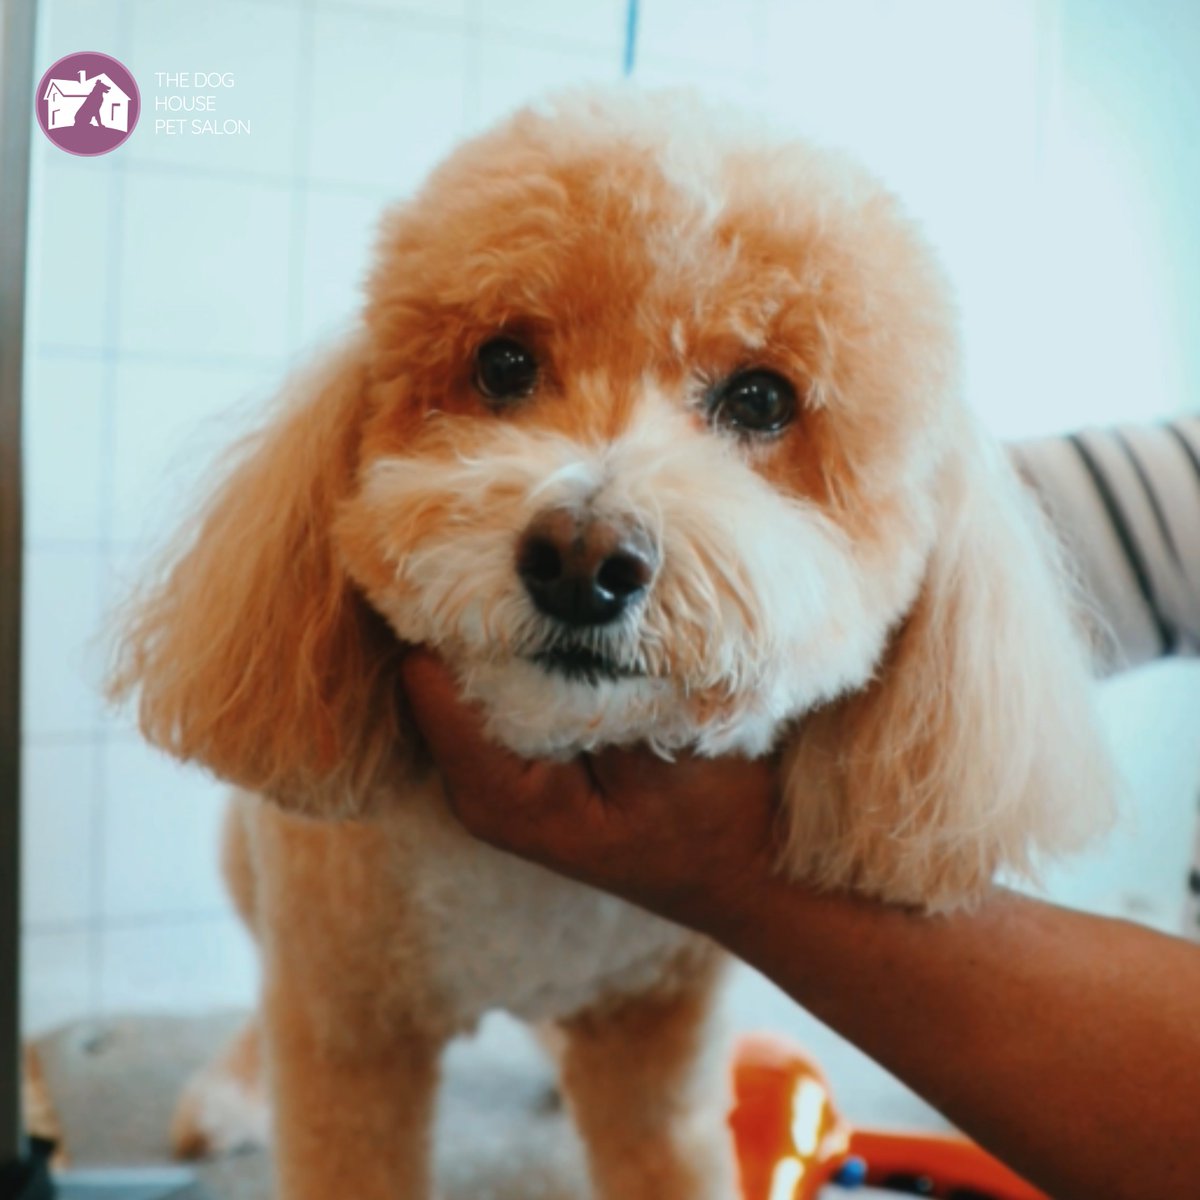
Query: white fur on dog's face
[[760, 609]]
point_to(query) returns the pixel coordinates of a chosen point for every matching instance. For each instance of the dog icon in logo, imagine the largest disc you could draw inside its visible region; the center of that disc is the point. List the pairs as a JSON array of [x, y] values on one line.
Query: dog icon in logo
[[87, 103]]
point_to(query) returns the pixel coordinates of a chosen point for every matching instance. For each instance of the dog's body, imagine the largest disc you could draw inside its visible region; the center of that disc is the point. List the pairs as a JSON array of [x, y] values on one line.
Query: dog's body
[[654, 437], [420, 931]]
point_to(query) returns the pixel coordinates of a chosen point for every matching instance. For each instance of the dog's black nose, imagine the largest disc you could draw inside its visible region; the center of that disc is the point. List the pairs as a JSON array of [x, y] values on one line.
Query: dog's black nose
[[583, 570]]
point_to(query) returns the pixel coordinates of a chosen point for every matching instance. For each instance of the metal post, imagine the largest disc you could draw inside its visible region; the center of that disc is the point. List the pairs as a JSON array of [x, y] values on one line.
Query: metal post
[[16, 118]]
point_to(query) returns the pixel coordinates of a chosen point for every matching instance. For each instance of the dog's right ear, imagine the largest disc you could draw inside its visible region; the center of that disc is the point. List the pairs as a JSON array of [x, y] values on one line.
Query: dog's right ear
[[976, 748], [252, 652]]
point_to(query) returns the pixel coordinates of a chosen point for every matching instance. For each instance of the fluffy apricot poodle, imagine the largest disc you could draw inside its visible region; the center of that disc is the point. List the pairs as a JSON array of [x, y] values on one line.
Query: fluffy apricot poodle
[[653, 429]]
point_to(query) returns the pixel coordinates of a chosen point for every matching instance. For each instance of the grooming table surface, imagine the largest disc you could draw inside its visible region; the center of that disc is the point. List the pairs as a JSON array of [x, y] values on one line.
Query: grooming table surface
[[502, 1133]]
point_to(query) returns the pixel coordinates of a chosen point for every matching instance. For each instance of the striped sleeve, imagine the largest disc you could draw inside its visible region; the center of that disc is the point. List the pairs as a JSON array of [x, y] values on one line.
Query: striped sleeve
[[1125, 503]]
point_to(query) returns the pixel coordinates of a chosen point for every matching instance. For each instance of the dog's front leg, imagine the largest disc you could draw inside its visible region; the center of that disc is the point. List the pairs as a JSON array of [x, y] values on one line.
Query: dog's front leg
[[647, 1080], [352, 1114]]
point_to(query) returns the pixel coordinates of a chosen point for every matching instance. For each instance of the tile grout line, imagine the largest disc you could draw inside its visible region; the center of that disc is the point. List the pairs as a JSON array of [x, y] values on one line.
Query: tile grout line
[[243, 175], [107, 499], [422, 18], [297, 268], [63, 351], [473, 63], [135, 922]]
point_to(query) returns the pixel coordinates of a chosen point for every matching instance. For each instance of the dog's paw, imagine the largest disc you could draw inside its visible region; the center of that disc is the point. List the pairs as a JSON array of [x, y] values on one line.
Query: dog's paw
[[219, 1114]]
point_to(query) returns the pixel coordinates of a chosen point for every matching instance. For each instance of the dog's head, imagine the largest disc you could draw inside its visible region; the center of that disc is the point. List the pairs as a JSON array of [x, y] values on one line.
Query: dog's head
[[654, 432]]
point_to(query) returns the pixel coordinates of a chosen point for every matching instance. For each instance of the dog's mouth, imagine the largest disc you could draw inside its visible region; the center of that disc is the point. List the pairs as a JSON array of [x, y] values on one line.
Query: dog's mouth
[[582, 665]]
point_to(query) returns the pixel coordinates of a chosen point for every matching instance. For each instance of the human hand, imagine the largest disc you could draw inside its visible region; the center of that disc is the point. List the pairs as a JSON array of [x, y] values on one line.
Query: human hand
[[691, 840]]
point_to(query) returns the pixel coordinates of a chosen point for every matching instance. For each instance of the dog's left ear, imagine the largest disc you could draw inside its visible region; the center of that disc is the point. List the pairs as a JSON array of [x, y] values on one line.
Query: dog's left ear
[[976, 747], [253, 653]]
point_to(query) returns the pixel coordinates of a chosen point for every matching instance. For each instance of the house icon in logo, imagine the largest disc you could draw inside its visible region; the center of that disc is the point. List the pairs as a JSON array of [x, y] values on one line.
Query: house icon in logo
[[84, 101], [87, 103]]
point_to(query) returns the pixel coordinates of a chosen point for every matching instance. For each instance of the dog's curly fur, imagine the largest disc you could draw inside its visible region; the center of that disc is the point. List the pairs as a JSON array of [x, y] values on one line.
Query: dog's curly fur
[[867, 591]]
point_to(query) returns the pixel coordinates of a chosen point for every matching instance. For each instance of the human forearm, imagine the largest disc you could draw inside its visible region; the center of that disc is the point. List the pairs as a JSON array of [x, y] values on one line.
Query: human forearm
[[1065, 1043]]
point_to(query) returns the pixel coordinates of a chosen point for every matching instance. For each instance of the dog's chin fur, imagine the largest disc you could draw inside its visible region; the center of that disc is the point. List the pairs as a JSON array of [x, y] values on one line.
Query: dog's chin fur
[[587, 716], [737, 635]]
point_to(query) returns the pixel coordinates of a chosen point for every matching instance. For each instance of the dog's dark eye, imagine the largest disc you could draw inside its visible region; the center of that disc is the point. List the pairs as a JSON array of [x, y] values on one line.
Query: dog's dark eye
[[757, 401], [504, 369]]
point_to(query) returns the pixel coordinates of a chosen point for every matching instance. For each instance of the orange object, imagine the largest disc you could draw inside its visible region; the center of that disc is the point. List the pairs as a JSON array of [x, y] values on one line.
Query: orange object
[[791, 1140]]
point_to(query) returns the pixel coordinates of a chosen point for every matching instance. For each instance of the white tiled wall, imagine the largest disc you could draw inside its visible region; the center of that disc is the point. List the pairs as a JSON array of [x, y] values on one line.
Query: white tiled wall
[[171, 284], [173, 280]]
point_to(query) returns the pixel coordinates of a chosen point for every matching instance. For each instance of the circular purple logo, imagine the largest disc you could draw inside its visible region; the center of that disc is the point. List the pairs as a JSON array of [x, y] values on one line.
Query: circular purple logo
[[87, 103]]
